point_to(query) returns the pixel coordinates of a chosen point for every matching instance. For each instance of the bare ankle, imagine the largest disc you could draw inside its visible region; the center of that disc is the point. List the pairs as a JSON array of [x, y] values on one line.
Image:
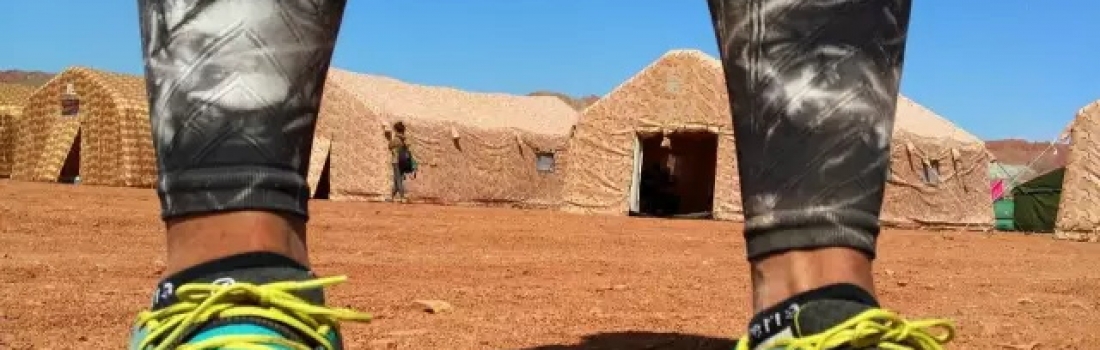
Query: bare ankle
[[778, 277], [197, 239]]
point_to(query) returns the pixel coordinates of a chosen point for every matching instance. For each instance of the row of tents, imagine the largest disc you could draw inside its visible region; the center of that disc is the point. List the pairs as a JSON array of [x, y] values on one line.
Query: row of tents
[[491, 149]]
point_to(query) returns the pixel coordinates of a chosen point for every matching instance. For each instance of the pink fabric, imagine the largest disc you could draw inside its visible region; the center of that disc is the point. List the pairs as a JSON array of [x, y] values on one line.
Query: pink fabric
[[998, 189]]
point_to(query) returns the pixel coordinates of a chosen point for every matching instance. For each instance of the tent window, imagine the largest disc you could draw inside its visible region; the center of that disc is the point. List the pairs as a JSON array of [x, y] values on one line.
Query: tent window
[[70, 102], [544, 162], [70, 106], [931, 175]]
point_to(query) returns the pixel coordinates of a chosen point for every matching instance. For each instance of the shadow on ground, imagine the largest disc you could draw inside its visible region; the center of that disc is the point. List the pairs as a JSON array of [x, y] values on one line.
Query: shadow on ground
[[645, 341]]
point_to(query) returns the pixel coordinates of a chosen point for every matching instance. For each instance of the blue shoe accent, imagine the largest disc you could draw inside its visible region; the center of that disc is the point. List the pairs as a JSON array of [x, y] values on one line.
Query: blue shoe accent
[[237, 329], [136, 336], [230, 329]]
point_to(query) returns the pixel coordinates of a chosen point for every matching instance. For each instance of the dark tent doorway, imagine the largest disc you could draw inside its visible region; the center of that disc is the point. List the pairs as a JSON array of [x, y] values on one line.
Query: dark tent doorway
[[1036, 202], [675, 177], [70, 170], [324, 184]]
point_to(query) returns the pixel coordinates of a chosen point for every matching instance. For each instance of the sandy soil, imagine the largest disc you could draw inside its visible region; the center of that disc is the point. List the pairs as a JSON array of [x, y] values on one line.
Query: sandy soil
[[77, 262]]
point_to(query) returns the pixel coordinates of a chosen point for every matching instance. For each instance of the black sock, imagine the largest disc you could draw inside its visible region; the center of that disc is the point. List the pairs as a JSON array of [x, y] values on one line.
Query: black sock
[[775, 319], [255, 267]]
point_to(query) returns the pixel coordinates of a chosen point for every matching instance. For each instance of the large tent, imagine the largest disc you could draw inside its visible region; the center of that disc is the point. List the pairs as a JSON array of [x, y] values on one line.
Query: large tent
[[1078, 216], [938, 171], [678, 101], [472, 148], [89, 124], [12, 99]]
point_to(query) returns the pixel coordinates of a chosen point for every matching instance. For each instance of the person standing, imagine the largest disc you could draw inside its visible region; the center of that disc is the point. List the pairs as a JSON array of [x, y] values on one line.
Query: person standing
[[400, 161]]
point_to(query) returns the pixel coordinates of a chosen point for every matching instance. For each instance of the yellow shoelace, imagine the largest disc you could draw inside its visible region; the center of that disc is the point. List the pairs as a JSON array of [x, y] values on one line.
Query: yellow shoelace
[[202, 302], [872, 329]]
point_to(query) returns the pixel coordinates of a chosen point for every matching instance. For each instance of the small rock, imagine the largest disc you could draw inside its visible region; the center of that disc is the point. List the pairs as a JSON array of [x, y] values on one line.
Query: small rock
[[889, 272], [434, 306], [158, 267], [1025, 301], [902, 283], [1079, 305], [82, 338]]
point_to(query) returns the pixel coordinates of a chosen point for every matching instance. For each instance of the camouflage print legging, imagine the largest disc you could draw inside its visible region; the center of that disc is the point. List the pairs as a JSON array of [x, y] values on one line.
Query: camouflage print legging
[[235, 86]]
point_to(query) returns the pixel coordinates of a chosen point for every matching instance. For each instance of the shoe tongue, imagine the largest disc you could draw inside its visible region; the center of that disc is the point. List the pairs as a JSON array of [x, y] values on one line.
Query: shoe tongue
[[243, 326], [820, 315]]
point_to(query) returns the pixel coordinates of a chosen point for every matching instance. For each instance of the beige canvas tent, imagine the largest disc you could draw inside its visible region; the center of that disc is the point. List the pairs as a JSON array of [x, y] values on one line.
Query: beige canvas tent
[[12, 99], [87, 123], [472, 148], [1078, 217], [938, 173], [676, 105], [681, 100]]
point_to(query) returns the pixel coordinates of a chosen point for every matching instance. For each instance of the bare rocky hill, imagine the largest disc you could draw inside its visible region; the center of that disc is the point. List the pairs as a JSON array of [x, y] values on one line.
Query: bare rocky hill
[[30, 78], [1023, 152]]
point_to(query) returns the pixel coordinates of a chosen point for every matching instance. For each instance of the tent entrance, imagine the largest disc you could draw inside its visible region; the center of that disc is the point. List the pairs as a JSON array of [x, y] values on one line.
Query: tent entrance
[[324, 184], [70, 170], [674, 174]]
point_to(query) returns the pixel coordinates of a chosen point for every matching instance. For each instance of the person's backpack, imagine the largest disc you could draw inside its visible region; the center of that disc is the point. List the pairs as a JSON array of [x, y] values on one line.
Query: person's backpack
[[405, 160]]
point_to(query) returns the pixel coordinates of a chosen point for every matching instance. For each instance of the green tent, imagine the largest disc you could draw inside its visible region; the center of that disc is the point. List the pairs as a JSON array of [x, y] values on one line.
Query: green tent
[[1036, 202]]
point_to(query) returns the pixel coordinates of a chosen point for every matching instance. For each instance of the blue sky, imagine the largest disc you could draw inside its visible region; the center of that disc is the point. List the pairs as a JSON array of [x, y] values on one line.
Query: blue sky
[[1005, 68]]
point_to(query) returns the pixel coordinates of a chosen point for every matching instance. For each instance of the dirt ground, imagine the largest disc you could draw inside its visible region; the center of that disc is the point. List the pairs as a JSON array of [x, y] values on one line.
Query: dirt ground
[[76, 263]]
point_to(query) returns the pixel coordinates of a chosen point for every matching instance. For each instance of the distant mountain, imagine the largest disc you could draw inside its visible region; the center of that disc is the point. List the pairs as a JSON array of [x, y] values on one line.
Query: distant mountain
[[578, 103], [1023, 152], [22, 77]]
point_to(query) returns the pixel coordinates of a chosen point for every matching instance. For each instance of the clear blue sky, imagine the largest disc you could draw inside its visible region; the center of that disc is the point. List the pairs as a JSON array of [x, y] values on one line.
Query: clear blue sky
[[1005, 68]]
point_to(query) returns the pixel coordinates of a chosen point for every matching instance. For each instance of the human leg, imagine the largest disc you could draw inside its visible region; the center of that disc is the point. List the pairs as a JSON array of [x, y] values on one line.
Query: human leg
[[398, 183], [813, 86], [234, 90]]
